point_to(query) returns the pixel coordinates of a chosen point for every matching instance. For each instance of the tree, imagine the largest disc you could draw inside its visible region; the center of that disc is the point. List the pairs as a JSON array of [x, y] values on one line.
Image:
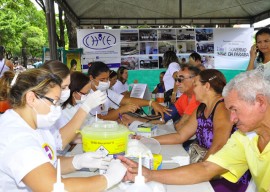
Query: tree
[[17, 16]]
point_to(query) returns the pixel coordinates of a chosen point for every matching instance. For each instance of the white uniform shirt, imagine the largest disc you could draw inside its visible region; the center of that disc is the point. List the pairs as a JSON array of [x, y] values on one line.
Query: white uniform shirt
[[119, 87], [22, 149], [113, 101], [168, 77]]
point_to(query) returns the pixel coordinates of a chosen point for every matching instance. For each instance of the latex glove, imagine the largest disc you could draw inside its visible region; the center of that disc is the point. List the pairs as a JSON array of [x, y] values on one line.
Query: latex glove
[[90, 160], [93, 100], [115, 173]]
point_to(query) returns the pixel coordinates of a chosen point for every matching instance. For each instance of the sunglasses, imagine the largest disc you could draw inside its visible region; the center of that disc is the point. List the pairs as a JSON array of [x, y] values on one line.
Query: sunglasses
[[181, 79]]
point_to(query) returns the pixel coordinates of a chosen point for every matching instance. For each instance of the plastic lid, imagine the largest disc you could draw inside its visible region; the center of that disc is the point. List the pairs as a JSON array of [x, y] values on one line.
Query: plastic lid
[[109, 126], [151, 144]]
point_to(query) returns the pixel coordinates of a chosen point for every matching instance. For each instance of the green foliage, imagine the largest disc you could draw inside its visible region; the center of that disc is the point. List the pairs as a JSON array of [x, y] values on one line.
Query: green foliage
[[17, 19]]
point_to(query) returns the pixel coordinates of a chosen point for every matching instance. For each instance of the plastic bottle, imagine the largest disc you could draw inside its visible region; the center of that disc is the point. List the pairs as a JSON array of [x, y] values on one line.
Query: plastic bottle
[[58, 186], [139, 185]]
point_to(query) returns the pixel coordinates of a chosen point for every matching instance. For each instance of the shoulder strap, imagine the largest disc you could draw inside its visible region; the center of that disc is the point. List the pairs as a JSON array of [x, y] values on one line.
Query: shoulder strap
[[219, 101]]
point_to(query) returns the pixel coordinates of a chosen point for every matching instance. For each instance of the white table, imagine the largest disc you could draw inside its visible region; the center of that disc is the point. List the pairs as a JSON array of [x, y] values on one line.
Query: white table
[[167, 152]]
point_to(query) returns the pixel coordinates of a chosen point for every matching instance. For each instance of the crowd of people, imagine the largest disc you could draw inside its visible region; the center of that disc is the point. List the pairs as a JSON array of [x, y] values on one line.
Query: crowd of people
[[42, 110]]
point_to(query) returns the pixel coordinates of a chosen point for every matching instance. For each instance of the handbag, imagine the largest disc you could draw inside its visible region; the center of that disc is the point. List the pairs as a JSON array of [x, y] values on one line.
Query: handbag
[[168, 95], [196, 152]]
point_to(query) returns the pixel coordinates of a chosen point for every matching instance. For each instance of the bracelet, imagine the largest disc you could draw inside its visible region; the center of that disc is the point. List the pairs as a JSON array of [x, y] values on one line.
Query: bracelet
[[173, 92], [150, 103]]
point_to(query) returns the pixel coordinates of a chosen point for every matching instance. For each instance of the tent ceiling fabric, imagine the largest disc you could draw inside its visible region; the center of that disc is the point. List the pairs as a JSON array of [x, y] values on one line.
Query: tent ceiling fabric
[[165, 12]]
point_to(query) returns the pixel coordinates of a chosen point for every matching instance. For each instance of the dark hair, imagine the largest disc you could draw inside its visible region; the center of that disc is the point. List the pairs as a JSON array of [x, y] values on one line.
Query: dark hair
[[73, 62], [196, 56], [39, 81], [77, 81], [5, 81], [265, 30], [163, 72], [215, 78], [112, 74], [97, 68], [169, 57], [56, 67], [120, 72], [192, 69], [2, 52]]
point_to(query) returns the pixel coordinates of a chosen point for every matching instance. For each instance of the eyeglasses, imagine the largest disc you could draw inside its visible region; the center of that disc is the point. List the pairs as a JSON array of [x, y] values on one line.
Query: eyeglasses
[[80, 93], [54, 102], [181, 79]]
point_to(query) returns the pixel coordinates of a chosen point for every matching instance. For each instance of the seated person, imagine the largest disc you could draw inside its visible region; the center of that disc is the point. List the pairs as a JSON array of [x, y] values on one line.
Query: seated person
[[210, 123], [185, 105], [160, 88], [196, 60], [79, 89], [99, 76], [28, 157], [113, 78], [121, 86]]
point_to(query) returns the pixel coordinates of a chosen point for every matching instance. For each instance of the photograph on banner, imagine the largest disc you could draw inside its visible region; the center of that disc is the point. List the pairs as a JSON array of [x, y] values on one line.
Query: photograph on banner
[[148, 48], [129, 48], [164, 46], [149, 62], [185, 34], [112, 62], [232, 47], [166, 34], [74, 61], [147, 34], [131, 63], [205, 47], [185, 47], [129, 35], [204, 34], [208, 61], [183, 59]]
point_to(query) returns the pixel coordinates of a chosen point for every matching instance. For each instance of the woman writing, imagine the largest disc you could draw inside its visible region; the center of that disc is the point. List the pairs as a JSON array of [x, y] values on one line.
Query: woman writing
[[260, 51], [28, 153]]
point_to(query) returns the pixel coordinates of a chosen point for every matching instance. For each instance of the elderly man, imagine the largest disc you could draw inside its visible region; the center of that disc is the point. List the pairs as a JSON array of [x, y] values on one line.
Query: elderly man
[[247, 97]]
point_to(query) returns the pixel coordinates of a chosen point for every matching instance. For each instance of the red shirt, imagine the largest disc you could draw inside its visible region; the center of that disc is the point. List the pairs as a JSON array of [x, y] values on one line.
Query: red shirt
[[4, 105], [186, 106]]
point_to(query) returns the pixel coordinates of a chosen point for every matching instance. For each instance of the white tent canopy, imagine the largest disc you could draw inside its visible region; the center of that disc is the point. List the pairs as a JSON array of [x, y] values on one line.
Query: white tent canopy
[[165, 12]]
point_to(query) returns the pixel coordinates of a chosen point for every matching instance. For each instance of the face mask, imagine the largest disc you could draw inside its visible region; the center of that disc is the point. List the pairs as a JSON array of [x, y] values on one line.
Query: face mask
[[83, 98], [103, 86], [45, 121], [64, 95]]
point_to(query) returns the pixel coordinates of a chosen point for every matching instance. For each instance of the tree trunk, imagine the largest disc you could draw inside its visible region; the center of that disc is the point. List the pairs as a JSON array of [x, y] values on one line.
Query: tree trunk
[[72, 33], [61, 40]]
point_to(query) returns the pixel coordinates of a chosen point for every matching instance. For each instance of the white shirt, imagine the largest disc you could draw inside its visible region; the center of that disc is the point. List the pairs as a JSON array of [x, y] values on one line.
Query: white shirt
[[70, 111], [5, 68], [168, 77], [119, 87], [113, 101], [22, 149]]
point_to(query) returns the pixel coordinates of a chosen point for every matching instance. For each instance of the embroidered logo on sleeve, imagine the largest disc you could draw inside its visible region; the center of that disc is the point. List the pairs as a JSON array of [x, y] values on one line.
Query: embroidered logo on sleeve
[[48, 150]]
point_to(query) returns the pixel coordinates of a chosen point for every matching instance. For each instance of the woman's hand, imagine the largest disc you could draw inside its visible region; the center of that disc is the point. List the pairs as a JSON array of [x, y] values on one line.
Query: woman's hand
[[132, 169], [253, 51]]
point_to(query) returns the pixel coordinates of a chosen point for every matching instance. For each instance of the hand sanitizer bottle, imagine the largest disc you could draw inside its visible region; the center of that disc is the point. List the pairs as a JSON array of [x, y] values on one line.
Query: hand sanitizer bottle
[[139, 185], [58, 186]]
